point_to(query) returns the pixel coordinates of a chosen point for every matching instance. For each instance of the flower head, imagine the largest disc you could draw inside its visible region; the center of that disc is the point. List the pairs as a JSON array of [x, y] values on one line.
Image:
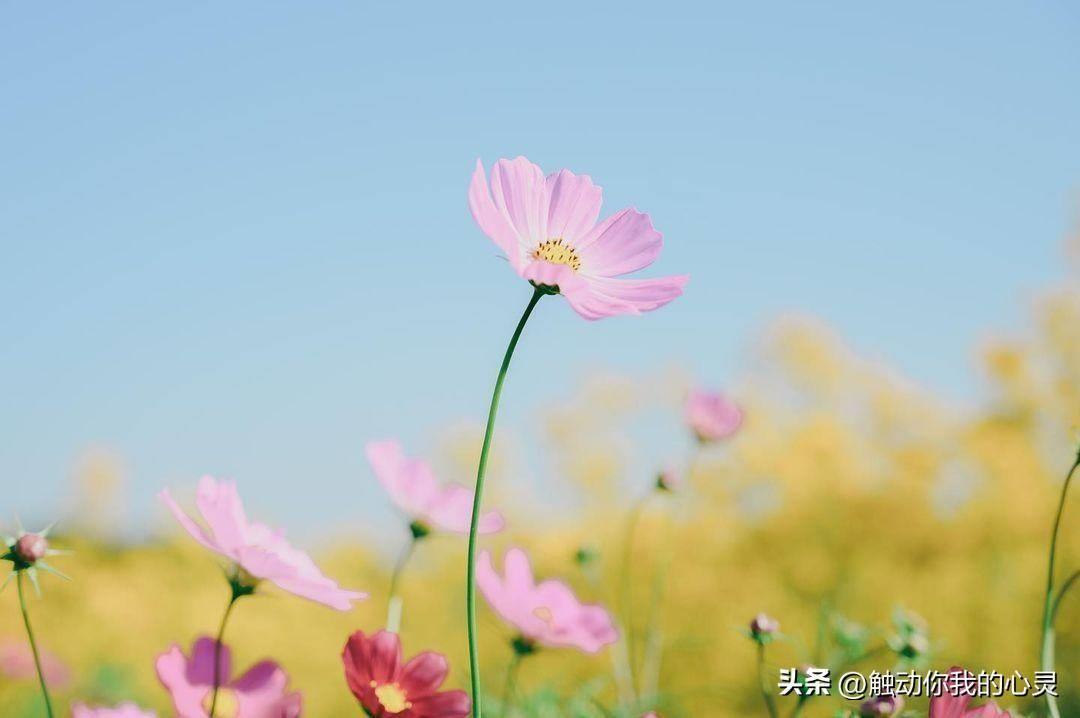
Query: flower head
[[414, 489], [712, 416], [385, 686], [258, 693], [26, 551], [548, 613], [124, 710], [258, 551], [881, 707], [763, 628], [954, 702], [548, 228]]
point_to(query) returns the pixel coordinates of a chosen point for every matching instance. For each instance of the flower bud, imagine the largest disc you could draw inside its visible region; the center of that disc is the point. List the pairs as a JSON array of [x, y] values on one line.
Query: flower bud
[[762, 627], [668, 480], [881, 707], [30, 548]]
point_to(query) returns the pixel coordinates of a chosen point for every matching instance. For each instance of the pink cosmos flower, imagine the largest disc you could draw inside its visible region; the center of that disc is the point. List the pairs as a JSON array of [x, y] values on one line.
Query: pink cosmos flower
[[384, 687], [258, 693], [953, 704], [257, 549], [414, 489], [548, 613], [124, 710], [711, 415], [17, 663], [547, 226]]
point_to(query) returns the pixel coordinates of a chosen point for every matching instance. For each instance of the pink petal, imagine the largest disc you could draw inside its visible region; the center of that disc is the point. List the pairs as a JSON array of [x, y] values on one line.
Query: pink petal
[[450, 704], [452, 511], [644, 295], [624, 242], [411, 483], [201, 666], [356, 658], [193, 529], [260, 693], [423, 674], [385, 657], [492, 222], [220, 506], [520, 194], [573, 205], [187, 698]]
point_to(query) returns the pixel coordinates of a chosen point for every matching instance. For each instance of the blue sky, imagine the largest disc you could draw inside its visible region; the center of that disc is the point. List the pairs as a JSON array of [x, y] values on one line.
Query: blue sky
[[235, 237]]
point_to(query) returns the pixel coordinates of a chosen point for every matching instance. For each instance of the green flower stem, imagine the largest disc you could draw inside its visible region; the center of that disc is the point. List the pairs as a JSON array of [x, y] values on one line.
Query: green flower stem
[[33, 644], [511, 682], [766, 693], [625, 672], [470, 590], [1049, 605], [240, 585], [393, 607]]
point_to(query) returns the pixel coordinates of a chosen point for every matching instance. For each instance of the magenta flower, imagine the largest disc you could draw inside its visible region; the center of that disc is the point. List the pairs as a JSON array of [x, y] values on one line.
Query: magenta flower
[[547, 226], [414, 489], [258, 693], [547, 613], [953, 703], [711, 415], [386, 687], [258, 550], [124, 710]]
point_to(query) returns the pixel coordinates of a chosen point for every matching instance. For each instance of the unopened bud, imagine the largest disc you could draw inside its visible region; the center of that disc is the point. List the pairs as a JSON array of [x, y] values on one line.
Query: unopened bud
[[762, 627], [668, 480], [30, 548], [881, 707]]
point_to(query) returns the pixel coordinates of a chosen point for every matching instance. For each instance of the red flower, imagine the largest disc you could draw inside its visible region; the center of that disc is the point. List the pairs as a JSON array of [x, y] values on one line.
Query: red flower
[[385, 687]]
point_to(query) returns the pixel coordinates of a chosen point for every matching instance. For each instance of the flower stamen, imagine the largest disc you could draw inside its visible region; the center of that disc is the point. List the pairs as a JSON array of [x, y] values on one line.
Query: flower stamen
[[391, 697], [557, 252]]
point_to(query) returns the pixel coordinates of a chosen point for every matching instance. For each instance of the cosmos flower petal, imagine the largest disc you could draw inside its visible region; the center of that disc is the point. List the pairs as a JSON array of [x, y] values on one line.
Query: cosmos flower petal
[[452, 511], [644, 295], [624, 242], [573, 205], [448, 704], [220, 506], [424, 673], [124, 710], [194, 530], [519, 191], [187, 694], [491, 220]]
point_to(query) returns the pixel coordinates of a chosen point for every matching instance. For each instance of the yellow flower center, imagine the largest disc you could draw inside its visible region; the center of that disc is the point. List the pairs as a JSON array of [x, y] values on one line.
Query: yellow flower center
[[556, 252], [391, 696], [543, 613], [227, 705]]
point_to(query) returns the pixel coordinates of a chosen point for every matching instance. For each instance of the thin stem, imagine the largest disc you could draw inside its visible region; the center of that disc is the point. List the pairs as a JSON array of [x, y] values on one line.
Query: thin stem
[[33, 644], [481, 469], [217, 652], [508, 687], [1061, 594], [766, 694], [1047, 652], [626, 597], [393, 604]]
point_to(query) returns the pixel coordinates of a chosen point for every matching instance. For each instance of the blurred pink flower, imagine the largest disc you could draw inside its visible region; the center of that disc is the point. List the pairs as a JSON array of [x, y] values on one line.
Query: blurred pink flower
[[385, 687], [547, 226], [414, 489], [952, 704], [258, 693], [549, 612], [711, 415], [124, 710], [260, 551], [17, 663]]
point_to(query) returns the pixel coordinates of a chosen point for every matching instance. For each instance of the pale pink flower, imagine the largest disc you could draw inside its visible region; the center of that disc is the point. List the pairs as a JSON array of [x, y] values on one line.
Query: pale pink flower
[[260, 551], [547, 226], [711, 415], [414, 489], [17, 663], [258, 693], [953, 703], [386, 685], [548, 613], [124, 710]]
